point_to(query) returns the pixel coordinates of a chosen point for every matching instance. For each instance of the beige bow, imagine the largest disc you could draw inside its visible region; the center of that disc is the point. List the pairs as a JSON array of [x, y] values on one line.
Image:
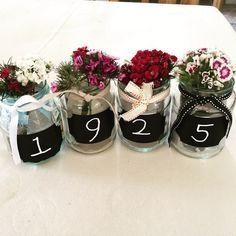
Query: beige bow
[[140, 98]]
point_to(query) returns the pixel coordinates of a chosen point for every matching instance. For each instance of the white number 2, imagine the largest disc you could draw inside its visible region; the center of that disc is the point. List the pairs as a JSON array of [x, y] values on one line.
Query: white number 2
[[97, 129], [199, 130], [142, 129]]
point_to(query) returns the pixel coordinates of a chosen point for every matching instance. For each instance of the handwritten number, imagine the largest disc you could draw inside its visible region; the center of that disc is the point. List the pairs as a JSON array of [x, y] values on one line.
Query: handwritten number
[[199, 130], [142, 129], [96, 130], [39, 148]]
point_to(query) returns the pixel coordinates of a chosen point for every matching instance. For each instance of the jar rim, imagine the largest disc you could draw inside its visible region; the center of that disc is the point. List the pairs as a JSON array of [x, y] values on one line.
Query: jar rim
[[42, 89], [207, 93], [165, 85]]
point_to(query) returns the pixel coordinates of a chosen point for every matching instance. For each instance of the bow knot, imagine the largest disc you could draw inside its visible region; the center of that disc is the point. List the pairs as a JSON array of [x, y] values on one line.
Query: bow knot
[[195, 100], [140, 98]]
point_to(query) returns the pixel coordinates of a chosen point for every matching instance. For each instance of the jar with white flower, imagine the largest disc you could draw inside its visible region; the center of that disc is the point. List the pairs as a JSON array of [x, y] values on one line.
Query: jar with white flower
[[29, 117], [202, 108]]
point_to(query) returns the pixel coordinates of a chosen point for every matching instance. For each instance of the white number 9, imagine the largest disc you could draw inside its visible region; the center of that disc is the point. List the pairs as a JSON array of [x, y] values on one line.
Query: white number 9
[[97, 129]]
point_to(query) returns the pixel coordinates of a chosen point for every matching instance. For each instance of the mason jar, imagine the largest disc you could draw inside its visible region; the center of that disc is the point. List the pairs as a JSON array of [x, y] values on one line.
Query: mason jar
[[150, 129], [89, 126], [38, 130], [203, 131]]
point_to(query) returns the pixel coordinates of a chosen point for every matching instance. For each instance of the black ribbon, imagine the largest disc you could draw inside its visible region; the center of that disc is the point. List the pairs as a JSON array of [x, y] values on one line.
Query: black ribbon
[[195, 100]]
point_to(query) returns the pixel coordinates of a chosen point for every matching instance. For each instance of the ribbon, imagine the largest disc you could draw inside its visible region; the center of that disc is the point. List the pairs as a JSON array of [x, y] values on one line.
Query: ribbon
[[140, 98], [23, 104], [195, 100], [88, 97], [29, 103]]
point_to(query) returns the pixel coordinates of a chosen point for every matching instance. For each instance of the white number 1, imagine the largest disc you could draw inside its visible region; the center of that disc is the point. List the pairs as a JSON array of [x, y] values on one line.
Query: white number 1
[[199, 130], [39, 148]]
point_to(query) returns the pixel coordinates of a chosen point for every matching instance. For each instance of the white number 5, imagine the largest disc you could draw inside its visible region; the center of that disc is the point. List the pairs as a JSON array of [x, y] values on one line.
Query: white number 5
[[199, 130]]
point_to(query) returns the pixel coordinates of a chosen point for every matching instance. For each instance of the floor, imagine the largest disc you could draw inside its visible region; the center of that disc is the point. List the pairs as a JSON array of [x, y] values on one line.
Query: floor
[[229, 12]]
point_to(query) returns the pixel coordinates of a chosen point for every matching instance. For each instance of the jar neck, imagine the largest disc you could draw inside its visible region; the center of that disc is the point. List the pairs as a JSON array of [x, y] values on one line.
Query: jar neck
[[92, 90], [155, 90], [41, 90], [207, 93]]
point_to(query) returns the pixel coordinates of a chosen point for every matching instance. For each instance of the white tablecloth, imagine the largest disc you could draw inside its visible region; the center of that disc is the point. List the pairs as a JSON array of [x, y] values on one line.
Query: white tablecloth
[[117, 192]]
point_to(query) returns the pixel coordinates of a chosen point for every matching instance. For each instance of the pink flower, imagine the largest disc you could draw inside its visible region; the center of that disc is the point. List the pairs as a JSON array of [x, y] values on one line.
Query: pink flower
[[191, 67], [93, 79], [92, 65], [121, 76], [225, 73], [217, 63], [78, 62], [54, 87], [101, 85]]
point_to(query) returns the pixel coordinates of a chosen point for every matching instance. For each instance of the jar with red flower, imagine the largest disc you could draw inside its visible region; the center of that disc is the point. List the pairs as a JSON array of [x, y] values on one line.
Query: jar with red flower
[[144, 100], [88, 112], [29, 121], [203, 105]]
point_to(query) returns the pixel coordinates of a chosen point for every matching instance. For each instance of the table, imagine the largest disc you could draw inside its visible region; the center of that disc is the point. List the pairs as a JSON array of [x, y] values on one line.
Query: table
[[117, 192]]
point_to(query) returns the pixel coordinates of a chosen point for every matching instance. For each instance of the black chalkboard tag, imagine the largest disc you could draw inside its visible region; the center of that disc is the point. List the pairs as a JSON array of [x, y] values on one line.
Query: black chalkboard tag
[[143, 129], [92, 128], [40, 146], [202, 132]]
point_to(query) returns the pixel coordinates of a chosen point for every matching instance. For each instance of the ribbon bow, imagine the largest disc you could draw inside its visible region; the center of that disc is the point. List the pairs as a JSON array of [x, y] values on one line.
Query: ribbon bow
[[23, 104], [195, 100], [140, 98]]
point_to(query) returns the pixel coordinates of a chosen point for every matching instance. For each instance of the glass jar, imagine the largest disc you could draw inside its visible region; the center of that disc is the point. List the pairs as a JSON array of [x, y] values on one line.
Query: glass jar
[[203, 131], [150, 129], [38, 131], [89, 126]]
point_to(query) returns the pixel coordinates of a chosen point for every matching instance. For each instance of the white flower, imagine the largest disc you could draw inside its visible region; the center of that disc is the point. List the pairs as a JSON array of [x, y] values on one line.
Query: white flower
[[35, 78], [218, 84], [22, 79], [205, 57], [190, 68], [196, 60]]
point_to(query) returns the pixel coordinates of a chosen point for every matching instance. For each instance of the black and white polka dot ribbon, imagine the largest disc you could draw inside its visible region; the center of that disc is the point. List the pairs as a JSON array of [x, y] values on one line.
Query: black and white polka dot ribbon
[[195, 100]]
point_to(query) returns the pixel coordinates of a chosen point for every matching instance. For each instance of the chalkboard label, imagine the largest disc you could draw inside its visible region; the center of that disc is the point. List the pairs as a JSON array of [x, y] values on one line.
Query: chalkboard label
[[143, 129], [91, 128], [40, 146], [202, 132]]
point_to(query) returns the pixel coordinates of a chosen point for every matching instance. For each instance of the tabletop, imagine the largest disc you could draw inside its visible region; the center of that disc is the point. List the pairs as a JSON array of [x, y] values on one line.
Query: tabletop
[[118, 191]]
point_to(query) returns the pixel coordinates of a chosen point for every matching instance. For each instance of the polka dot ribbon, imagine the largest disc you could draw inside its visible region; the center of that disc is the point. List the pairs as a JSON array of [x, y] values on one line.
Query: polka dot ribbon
[[195, 100]]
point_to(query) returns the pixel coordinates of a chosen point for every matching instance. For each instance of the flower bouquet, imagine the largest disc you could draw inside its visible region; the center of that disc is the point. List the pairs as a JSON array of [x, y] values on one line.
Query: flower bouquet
[[144, 101], [203, 117], [25, 119], [88, 103]]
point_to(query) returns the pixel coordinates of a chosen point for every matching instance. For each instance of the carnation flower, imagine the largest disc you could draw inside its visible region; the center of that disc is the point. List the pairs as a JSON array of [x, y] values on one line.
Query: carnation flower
[[147, 66], [205, 69], [23, 76], [88, 70]]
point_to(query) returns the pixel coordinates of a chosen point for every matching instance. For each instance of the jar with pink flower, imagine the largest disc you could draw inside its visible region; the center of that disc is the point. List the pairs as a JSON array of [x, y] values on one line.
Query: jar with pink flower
[[202, 107], [144, 100], [87, 103]]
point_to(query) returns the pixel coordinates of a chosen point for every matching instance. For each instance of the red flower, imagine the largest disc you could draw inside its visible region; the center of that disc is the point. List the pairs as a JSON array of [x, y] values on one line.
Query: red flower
[[152, 72], [80, 52], [5, 72], [148, 66], [13, 86]]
